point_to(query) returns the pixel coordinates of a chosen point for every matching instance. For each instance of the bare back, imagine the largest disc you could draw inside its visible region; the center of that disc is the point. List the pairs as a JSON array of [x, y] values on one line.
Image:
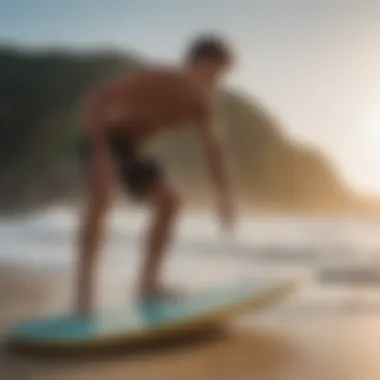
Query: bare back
[[146, 103]]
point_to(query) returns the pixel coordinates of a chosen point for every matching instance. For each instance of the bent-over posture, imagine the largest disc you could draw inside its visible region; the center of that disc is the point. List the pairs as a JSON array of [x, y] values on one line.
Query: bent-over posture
[[120, 116]]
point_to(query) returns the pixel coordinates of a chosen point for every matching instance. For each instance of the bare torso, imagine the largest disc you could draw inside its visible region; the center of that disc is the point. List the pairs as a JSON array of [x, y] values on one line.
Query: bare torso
[[148, 102]]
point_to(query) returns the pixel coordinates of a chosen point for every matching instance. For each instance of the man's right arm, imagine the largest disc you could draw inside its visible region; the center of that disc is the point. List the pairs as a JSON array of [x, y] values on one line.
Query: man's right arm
[[218, 162]]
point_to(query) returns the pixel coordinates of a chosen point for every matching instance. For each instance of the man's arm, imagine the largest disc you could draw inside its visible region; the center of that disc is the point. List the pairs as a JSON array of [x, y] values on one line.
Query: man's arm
[[217, 158], [101, 187]]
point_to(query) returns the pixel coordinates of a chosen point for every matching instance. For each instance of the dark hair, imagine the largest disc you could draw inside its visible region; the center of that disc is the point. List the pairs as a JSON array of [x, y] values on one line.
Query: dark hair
[[209, 47]]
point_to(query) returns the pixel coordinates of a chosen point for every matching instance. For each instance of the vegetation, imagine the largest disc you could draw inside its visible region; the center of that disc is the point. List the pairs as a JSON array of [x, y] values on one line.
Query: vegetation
[[40, 100]]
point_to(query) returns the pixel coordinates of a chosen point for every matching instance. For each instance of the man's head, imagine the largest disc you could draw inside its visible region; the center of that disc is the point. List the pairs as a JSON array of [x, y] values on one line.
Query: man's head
[[210, 57]]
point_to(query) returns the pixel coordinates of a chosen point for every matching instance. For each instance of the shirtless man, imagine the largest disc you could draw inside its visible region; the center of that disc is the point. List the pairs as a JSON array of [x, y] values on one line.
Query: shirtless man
[[123, 114]]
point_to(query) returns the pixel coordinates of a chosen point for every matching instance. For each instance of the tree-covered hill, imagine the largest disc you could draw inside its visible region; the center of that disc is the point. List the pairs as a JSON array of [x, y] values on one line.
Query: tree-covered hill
[[41, 94]]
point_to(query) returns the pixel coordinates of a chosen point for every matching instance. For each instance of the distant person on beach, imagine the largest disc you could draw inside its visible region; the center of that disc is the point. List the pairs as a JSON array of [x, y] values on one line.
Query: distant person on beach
[[120, 117]]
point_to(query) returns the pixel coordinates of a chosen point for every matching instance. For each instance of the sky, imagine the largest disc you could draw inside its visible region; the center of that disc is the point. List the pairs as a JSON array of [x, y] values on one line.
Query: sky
[[315, 64]]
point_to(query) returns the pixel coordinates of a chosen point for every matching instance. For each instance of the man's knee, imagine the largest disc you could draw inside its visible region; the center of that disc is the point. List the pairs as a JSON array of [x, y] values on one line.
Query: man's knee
[[168, 202]]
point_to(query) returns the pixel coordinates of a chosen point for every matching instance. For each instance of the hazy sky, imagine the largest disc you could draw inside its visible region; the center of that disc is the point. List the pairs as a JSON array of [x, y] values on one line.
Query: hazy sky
[[314, 63]]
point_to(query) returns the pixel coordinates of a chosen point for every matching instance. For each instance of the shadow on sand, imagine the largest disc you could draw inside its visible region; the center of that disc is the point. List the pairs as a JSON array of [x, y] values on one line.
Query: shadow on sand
[[209, 354]]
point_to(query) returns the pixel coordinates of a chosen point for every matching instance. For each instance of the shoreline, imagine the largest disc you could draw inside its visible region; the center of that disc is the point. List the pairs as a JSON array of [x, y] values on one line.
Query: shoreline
[[268, 345]]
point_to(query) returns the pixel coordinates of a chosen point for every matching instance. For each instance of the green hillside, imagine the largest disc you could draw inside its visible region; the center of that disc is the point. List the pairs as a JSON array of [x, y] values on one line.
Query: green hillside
[[40, 97]]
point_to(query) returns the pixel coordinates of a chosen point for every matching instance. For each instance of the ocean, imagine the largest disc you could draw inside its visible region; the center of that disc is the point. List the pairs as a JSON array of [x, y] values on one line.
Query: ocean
[[278, 246], [325, 330]]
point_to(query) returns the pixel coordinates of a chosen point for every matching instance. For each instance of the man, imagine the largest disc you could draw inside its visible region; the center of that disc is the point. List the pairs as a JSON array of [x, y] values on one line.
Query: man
[[121, 116]]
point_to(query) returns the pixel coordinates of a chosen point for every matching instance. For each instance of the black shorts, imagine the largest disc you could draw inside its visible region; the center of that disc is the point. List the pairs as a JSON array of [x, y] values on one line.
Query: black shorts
[[137, 173]]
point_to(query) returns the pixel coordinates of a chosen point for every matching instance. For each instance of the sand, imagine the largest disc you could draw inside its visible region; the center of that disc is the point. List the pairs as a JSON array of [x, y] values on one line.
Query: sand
[[264, 346]]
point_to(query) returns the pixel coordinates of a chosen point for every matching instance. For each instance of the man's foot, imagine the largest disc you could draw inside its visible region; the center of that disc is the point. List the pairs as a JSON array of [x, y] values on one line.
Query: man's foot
[[160, 294]]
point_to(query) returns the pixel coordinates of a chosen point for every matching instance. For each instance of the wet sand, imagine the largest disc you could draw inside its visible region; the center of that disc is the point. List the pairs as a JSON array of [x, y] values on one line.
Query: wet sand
[[263, 346]]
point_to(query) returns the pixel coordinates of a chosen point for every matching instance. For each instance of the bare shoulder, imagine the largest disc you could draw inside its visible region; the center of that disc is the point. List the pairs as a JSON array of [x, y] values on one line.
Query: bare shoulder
[[176, 83], [152, 74]]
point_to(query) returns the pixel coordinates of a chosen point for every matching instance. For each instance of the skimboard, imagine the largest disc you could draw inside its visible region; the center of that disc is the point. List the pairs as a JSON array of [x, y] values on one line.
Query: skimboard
[[150, 321]]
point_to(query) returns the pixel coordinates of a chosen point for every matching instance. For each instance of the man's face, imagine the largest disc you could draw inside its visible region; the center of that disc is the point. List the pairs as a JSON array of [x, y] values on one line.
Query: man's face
[[215, 72]]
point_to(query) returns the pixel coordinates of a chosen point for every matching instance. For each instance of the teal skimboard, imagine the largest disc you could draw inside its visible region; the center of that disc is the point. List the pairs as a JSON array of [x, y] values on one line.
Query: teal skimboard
[[150, 321]]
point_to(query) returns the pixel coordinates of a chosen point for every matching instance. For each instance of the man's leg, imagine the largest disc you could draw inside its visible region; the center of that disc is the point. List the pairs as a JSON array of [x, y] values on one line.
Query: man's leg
[[146, 182], [101, 184], [165, 205]]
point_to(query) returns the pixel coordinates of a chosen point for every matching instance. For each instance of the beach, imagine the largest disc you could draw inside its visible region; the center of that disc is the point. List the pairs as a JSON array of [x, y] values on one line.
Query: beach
[[322, 332]]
